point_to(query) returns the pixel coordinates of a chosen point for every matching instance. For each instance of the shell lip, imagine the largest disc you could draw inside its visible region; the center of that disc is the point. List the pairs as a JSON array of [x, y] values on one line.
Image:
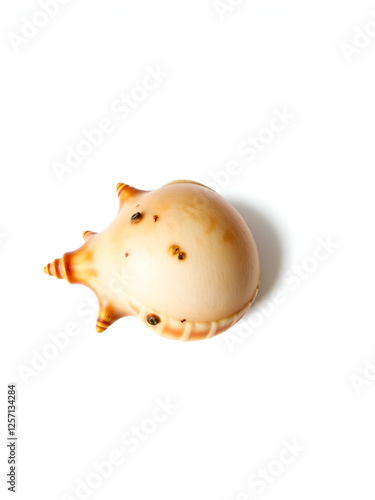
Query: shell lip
[[186, 330]]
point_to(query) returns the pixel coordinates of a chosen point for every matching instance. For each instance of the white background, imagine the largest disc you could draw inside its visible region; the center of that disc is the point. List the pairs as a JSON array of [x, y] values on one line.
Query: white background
[[304, 375]]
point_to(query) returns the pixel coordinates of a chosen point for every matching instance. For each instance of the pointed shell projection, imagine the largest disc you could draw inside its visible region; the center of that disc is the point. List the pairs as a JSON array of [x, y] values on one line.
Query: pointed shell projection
[[180, 258]]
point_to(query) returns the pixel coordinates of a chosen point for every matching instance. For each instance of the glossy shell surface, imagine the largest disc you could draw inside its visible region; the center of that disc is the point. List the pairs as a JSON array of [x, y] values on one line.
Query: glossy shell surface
[[180, 258]]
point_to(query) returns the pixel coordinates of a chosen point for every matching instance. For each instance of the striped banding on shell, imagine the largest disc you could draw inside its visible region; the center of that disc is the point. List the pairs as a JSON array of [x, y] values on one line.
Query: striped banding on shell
[[120, 187], [102, 325], [56, 268]]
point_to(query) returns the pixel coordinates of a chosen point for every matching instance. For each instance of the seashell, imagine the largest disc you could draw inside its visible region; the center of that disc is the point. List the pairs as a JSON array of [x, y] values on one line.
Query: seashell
[[180, 258]]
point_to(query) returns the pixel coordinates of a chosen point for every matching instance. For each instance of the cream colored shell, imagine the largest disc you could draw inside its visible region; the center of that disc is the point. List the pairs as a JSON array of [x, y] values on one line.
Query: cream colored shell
[[180, 258]]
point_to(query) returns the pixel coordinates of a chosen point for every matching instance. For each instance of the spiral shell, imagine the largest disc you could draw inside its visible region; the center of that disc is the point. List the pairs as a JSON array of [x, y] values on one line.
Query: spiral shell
[[180, 258]]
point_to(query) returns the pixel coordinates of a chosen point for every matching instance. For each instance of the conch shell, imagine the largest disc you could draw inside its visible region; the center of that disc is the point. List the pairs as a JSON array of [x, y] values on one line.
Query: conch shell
[[180, 258]]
